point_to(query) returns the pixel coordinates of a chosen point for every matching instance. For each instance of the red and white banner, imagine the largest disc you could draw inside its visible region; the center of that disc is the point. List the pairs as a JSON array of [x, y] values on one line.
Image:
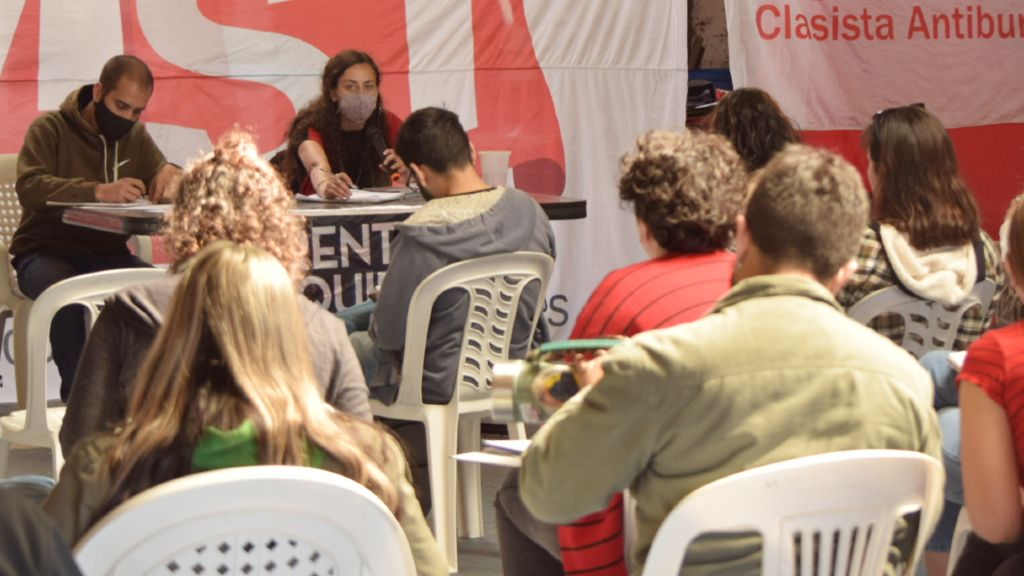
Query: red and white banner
[[566, 86], [832, 64]]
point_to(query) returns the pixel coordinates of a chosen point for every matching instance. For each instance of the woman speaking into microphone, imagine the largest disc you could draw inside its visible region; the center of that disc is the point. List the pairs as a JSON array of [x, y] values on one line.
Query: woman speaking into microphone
[[343, 138]]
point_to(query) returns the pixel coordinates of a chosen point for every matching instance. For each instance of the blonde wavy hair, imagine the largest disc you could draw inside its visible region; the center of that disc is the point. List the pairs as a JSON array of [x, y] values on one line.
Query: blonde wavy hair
[[233, 194], [234, 348], [686, 187]]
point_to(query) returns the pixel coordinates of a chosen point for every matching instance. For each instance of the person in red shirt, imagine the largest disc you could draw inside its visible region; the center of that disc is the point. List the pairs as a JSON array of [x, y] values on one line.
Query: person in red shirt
[[686, 190], [344, 138], [992, 432]]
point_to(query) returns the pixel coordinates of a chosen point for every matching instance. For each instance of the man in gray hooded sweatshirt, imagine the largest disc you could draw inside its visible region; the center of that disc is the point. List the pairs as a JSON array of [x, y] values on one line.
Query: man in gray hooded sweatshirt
[[463, 218]]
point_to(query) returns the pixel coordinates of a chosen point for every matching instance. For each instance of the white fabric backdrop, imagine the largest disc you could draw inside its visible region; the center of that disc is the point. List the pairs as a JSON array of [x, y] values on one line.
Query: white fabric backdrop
[[567, 86], [865, 55]]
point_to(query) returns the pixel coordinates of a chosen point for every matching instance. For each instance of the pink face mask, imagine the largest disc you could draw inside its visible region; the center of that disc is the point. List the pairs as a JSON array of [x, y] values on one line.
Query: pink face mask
[[357, 107]]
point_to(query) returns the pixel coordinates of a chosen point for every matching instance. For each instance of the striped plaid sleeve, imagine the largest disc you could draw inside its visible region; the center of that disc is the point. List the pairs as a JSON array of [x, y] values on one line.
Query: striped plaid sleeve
[[873, 271]]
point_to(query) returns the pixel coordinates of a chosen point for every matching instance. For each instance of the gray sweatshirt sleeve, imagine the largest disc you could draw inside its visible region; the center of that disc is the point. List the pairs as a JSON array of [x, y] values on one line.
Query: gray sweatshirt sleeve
[[336, 365]]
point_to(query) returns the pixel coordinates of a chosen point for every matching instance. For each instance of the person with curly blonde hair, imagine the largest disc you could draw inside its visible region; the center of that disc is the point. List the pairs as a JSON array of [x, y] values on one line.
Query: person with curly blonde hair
[[227, 194]]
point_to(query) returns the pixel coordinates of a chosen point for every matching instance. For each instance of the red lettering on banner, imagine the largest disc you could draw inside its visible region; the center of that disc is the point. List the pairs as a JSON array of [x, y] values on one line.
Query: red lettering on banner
[[760, 19], [214, 104], [377, 28], [969, 23], [822, 27], [514, 105], [515, 109], [19, 85]]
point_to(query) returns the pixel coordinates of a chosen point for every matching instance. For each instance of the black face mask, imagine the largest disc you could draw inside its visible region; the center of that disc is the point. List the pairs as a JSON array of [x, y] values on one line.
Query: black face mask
[[112, 126]]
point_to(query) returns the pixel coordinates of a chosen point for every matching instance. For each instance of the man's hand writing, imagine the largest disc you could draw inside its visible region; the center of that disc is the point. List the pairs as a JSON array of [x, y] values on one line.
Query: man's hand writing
[[162, 188], [121, 191]]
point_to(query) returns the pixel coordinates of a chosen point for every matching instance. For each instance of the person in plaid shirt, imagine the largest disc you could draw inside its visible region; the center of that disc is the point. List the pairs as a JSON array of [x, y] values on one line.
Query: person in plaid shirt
[[926, 236]]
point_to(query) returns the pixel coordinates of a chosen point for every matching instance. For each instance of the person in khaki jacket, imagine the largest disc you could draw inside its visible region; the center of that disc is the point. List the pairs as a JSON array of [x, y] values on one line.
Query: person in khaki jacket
[[775, 371], [229, 381]]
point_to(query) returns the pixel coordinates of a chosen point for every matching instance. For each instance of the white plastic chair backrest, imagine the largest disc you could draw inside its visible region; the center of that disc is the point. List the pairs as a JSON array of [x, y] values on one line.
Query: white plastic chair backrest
[[10, 217], [927, 325], [10, 208], [841, 505], [249, 520], [494, 285], [88, 290], [960, 533]]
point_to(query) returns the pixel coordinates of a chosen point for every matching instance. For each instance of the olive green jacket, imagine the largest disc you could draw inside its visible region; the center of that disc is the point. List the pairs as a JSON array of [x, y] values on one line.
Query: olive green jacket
[[774, 372]]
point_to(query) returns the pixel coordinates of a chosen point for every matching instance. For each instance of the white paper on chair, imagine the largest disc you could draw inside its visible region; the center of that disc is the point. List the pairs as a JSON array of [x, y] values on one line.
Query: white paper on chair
[[513, 446], [506, 460], [956, 359], [507, 453]]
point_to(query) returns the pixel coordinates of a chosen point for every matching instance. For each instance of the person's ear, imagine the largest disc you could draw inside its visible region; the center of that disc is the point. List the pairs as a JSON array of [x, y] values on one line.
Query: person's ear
[[843, 275], [742, 236], [418, 172], [643, 230], [97, 92], [472, 153]]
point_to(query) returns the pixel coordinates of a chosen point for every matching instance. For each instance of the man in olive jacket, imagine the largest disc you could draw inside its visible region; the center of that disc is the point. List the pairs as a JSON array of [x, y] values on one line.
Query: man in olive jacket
[[90, 150], [775, 371]]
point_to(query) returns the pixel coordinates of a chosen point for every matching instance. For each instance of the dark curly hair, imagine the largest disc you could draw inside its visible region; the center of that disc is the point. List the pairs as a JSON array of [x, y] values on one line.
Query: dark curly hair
[[686, 187], [322, 115], [755, 124]]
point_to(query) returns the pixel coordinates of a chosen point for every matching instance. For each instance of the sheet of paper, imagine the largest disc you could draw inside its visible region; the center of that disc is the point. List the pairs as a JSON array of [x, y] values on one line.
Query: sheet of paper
[[956, 359], [140, 203], [505, 460], [513, 446], [359, 196]]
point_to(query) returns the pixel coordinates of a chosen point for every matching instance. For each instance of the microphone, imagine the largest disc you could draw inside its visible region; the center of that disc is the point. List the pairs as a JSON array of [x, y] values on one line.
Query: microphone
[[376, 139]]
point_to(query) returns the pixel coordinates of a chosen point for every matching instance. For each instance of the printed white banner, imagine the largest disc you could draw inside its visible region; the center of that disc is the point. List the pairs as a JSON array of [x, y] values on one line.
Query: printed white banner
[[566, 86], [834, 63]]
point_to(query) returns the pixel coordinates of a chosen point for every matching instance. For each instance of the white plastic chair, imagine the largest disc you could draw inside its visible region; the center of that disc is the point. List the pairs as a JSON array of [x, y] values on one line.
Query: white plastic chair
[[960, 533], [809, 510], [38, 425], [494, 285], [12, 300], [927, 325], [249, 520]]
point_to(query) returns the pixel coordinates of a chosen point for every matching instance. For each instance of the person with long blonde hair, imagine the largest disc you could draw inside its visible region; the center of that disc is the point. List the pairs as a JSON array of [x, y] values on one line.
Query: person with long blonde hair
[[229, 382]]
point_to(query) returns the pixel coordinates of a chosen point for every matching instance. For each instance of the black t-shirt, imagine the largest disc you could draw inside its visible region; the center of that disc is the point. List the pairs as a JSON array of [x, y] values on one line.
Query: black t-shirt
[[360, 161]]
